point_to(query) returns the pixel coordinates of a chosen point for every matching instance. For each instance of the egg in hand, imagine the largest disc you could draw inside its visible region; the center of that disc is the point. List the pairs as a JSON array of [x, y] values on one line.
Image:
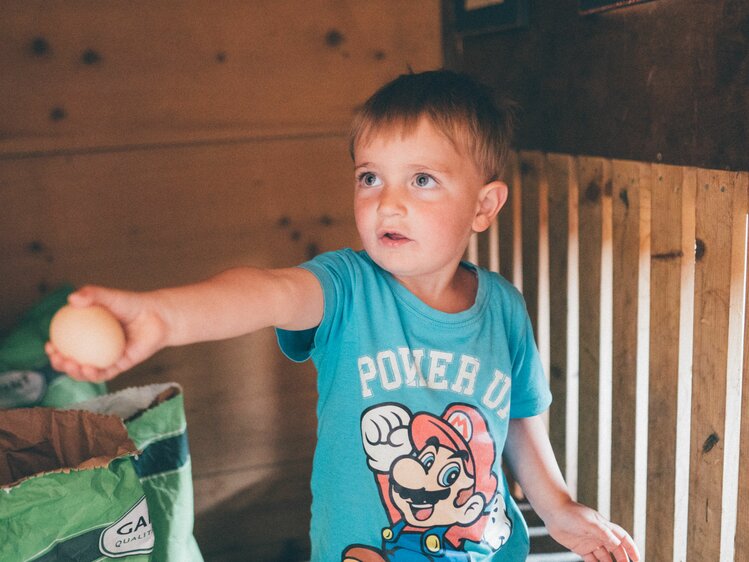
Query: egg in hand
[[90, 335]]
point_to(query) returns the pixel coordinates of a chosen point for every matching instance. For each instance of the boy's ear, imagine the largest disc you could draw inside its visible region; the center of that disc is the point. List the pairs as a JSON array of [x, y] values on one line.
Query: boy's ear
[[492, 198]]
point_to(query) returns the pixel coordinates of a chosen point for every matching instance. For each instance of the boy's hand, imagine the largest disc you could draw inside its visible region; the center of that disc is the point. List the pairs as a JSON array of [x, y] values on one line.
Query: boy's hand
[[145, 331], [586, 532]]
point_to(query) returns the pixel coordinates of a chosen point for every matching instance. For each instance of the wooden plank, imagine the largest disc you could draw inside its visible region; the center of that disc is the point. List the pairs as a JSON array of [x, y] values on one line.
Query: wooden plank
[[558, 172], [532, 170], [672, 265], [82, 74], [592, 182], [742, 528], [717, 230], [145, 219], [506, 220], [630, 193], [739, 186]]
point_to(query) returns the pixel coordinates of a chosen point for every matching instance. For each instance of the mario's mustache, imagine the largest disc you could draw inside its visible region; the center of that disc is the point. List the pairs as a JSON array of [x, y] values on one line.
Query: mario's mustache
[[420, 496]]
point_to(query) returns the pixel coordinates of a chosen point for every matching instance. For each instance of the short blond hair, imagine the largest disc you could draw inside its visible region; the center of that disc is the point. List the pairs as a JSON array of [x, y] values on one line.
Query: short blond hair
[[458, 106]]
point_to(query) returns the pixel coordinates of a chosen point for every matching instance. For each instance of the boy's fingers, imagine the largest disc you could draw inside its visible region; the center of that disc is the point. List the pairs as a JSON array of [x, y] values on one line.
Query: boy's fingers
[[626, 543]]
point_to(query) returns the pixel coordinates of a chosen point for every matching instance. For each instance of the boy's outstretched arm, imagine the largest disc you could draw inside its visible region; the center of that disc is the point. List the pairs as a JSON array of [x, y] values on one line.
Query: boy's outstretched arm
[[579, 528], [233, 303]]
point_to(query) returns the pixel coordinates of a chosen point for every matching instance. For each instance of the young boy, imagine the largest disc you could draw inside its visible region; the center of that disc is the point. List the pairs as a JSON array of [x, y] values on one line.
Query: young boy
[[427, 368]]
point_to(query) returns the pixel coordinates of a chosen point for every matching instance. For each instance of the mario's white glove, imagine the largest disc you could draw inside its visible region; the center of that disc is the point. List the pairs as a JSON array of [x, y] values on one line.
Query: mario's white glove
[[498, 525], [384, 432]]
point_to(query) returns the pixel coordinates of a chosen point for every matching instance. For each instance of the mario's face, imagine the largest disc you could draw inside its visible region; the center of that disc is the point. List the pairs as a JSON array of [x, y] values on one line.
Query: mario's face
[[434, 489]]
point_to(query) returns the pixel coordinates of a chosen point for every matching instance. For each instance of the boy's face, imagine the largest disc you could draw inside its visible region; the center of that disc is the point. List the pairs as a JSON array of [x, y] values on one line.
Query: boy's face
[[417, 201]]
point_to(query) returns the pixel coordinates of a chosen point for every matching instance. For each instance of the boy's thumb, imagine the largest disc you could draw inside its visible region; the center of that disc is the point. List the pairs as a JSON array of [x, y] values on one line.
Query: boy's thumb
[[88, 295]]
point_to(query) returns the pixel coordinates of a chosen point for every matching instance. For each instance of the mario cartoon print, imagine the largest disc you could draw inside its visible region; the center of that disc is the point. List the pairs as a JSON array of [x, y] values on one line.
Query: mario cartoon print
[[436, 482]]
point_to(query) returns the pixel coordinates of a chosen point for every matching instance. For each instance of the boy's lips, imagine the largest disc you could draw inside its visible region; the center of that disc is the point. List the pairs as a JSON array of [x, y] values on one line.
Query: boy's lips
[[392, 238]]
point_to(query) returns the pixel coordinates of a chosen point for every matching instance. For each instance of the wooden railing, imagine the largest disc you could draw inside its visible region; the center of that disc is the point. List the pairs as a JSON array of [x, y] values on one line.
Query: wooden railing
[[635, 279]]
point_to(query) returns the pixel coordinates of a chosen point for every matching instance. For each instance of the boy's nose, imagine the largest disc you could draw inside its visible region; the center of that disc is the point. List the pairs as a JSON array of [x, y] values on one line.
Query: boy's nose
[[391, 202]]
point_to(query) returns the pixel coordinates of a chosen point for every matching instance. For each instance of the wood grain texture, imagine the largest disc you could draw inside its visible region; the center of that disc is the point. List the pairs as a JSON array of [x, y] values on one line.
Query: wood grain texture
[[672, 228], [145, 218], [630, 181], [506, 220], [592, 181], [558, 172], [531, 172], [716, 231], [86, 74], [742, 520]]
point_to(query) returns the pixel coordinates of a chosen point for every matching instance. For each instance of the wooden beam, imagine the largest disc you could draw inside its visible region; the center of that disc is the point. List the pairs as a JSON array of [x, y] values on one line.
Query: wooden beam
[[717, 231], [742, 528], [593, 183], [631, 200], [559, 172]]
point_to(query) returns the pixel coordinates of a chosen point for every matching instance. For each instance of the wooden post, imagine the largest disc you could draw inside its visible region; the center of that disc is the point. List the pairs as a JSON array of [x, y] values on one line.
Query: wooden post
[[671, 281], [531, 169], [506, 220], [592, 182], [742, 527], [718, 232], [558, 172], [631, 200]]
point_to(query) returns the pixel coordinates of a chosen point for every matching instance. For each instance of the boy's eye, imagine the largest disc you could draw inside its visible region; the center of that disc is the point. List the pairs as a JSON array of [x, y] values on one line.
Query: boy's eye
[[368, 179], [424, 180]]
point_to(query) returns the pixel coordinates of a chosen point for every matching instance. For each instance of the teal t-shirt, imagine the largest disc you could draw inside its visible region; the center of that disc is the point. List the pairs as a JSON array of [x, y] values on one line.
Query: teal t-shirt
[[413, 412]]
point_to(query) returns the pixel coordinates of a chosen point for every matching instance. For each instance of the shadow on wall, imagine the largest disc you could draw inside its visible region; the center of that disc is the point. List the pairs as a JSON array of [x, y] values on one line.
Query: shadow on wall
[[269, 515]]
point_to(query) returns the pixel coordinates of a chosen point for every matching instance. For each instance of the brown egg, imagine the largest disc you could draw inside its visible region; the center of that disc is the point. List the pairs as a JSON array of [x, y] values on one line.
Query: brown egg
[[90, 335]]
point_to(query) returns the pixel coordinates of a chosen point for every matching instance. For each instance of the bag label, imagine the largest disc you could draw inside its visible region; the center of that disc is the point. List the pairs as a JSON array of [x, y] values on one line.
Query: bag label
[[130, 534], [21, 388]]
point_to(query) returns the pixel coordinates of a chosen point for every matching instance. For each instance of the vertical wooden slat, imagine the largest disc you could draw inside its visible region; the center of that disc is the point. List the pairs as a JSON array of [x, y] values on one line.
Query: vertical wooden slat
[[736, 184], [558, 168], [531, 169], [630, 187], [742, 527], [508, 222], [592, 184], [671, 273], [716, 230]]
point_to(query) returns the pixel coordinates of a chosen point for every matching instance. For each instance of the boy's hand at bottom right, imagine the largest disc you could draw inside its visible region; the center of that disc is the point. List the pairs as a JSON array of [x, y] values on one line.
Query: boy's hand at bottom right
[[587, 533]]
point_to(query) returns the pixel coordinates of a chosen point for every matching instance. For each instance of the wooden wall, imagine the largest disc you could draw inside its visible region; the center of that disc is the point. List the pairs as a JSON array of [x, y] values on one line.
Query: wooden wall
[[145, 144], [659, 81], [645, 269]]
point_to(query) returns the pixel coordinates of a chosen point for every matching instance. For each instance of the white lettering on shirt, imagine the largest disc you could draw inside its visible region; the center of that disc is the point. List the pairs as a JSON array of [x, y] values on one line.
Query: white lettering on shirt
[[367, 372], [466, 379], [437, 367], [496, 394]]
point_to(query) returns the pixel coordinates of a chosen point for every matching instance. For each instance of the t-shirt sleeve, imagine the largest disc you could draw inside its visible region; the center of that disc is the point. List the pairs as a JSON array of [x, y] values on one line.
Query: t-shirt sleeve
[[334, 271], [530, 394]]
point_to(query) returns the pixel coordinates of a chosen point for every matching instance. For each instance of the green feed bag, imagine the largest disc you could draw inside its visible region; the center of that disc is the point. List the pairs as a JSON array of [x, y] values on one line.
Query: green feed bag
[[155, 419], [69, 491], [26, 377]]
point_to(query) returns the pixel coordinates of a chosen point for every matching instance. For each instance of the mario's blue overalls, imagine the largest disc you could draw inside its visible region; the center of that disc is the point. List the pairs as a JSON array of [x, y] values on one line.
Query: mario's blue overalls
[[426, 546]]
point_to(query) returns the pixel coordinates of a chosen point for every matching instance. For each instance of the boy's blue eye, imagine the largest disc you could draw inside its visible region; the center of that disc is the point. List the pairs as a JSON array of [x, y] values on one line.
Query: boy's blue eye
[[368, 179], [424, 180]]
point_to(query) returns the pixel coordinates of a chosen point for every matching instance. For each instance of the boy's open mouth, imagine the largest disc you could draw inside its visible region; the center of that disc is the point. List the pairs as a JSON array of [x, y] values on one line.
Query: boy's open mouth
[[393, 236]]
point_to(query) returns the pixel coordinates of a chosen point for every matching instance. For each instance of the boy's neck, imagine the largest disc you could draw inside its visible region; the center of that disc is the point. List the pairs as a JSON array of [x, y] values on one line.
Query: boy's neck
[[457, 295]]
